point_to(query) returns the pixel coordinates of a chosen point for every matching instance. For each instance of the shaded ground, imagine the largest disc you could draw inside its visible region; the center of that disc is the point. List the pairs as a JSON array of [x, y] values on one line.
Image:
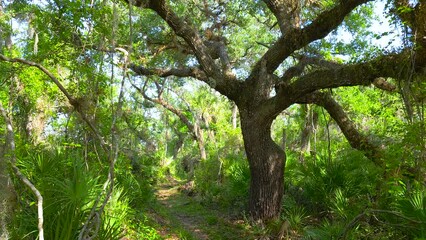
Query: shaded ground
[[181, 217]]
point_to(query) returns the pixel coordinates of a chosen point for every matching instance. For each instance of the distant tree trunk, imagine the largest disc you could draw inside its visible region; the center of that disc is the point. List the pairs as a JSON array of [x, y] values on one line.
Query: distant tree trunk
[[10, 142], [311, 121], [267, 161], [7, 196], [199, 137], [179, 144], [234, 116]]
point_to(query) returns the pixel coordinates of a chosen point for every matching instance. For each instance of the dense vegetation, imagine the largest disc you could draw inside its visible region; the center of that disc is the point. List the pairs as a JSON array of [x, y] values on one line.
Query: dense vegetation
[[212, 119]]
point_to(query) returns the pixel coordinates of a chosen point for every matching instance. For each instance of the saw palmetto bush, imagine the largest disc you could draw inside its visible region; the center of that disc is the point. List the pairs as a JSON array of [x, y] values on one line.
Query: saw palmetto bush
[[224, 182], [413, 214], [67, 189], [70, 187], [320, 184], [327, 195]]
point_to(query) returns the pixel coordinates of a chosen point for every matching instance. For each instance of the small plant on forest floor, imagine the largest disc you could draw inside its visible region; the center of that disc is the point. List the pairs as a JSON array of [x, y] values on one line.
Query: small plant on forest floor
[[413, 210], [326, 231], [296, 217]]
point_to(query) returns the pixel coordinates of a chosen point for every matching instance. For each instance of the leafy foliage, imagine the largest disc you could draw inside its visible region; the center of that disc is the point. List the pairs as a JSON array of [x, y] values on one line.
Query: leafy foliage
[[335, 192]]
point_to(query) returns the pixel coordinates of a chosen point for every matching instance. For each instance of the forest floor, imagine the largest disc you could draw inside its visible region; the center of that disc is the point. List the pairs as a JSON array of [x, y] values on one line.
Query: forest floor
[[179, 216]]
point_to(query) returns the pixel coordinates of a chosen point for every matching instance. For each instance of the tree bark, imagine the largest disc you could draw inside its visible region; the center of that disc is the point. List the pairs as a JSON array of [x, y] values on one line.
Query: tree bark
[[311, 121], [267, 161]]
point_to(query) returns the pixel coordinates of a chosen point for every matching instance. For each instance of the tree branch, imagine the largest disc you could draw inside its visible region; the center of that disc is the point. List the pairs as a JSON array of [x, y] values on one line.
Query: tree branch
[[296, 38], [194, 129], [286, 12], [346, 75], [218, 79], [113, 149], [73, 101], [167, 106], [177, 72]]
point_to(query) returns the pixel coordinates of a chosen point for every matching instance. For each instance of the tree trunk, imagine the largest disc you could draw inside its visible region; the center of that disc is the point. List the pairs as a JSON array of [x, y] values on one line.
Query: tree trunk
[[267, 161], [234, 115], [311, 121]]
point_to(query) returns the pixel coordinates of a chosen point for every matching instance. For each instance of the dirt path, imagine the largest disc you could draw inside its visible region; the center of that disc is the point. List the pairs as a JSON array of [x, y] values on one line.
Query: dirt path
[[170, 197], [181, 217]]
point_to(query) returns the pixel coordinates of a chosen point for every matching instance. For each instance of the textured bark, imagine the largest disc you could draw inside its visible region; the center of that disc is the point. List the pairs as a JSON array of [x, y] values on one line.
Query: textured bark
[[267, 161], [286, 12], [7, 195], [311, 121], [420, 35]]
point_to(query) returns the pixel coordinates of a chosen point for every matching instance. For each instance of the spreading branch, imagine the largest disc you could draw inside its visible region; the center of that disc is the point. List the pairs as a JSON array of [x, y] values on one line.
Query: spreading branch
[[297, 38], [330, 75], [218, 78], [299, 68], [194, 129], [177, 72], [346, 75], [73, 101], [286, 13]]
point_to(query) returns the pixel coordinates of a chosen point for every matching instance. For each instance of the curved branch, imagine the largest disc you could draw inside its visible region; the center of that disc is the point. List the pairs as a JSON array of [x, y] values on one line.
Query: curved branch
[[220, 80], [286, 13], [304, 61], [355, 138], [194, 129], [346, 75], [167, 106], [74, 102], [296, 38], [177, 72], [44, 70]]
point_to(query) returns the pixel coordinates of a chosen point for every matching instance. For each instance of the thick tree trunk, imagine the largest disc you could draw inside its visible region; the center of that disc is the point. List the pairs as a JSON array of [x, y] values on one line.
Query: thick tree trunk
[[267, 161]]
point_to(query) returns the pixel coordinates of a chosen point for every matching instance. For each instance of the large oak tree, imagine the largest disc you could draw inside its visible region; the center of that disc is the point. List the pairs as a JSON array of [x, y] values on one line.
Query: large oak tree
[[273, 82]]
